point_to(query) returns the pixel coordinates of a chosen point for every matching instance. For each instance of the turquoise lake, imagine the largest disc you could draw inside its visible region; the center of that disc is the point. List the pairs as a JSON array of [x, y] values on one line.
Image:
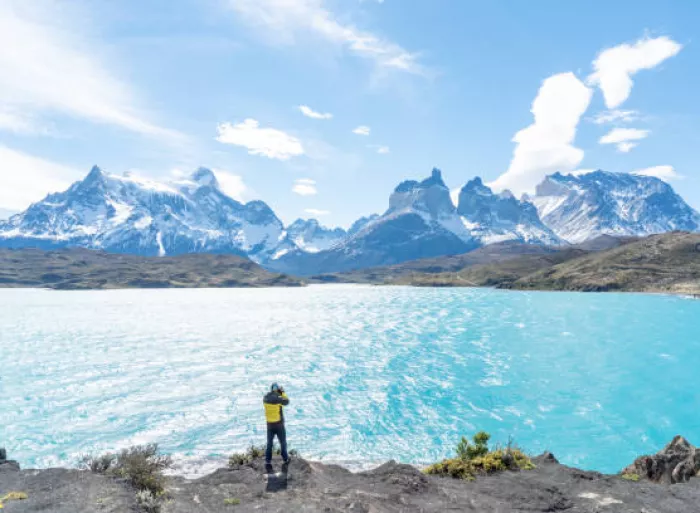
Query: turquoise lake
[[373, 373]]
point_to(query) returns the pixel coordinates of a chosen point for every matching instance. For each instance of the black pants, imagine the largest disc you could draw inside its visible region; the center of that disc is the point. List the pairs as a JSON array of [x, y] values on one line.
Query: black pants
[[281, 434]]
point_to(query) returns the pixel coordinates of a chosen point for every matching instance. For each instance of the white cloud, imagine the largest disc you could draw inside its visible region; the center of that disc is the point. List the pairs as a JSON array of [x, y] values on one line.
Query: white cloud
[[382, 150], [626, 147], [316, 212], [362, 130], [623, 137], [616, 116], [231, 184], [546, 145], [25, 179], [284, 21], [615, 66], [304, 187], [310, 113], [663, 172], [47, 68], [268, 142]]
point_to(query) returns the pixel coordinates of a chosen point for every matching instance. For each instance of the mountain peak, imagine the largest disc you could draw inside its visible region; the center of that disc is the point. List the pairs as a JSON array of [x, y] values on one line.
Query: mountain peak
[[94, 175], [205, 177], [435, 179], [477, 185], [584, 206]]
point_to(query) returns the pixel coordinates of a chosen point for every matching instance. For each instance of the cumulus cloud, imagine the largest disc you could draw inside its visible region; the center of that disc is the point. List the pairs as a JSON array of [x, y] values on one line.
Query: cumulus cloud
[[25, 178], [231, 184], [623, 138], [48, 67], [616, 116], [316, 212], [304, 187], [284, 21], [546, 146], [267, 142], [614, 67], [663, 172], [310, 113], [361, 130]]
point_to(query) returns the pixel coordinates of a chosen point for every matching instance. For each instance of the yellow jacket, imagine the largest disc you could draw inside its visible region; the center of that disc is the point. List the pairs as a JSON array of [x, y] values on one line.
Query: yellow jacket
[[273, 403]]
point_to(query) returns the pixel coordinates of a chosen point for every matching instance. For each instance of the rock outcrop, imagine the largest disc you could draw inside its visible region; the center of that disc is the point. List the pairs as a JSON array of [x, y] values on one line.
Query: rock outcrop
[[393, 487], [678, 462]]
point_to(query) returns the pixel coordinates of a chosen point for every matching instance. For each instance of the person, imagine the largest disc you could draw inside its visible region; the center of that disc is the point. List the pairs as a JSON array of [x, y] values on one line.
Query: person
[[274, 401]]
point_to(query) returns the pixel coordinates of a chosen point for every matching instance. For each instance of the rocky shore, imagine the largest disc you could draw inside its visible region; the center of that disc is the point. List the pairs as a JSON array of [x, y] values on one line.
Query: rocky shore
[[663, 483]]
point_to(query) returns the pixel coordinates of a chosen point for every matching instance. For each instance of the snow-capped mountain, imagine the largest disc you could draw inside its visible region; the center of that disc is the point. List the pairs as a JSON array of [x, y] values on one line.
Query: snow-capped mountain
[[581, 207], [127, 214], [500, 217], [361, 223], [421, 222], [311, 237]]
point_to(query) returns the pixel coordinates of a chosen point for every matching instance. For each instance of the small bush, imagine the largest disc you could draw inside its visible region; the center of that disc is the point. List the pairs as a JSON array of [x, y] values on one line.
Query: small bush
[[630, 476], [467, 451], [232, 501], [141, 465], [473, 459], [148, 501], [98, 464]]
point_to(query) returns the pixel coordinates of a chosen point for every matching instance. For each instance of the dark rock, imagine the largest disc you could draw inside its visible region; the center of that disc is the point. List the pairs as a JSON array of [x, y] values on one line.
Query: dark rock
[[9, 465], [547, 457], [314, 487], [675, 463]]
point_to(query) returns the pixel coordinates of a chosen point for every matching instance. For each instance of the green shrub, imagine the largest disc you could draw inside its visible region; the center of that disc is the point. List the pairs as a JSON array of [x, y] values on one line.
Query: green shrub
[[141, 465], [474, 459], [98, 464], [232, 501], [630, 476], [148, 501]]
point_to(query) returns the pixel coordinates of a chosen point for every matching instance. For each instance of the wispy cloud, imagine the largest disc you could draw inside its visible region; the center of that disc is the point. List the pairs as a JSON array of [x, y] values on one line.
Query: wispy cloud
[[546, 145], [615, 66], [663, 172], [615, 116], [382, 150], [28, 178], [623, 138], [304, 187], [316, 212], [47, 68], [267, 142], [283, 21], [362, 130], [310, 113]]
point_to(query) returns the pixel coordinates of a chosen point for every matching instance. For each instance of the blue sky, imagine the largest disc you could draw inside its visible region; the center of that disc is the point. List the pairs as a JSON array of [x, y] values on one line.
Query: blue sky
[[390, 89]]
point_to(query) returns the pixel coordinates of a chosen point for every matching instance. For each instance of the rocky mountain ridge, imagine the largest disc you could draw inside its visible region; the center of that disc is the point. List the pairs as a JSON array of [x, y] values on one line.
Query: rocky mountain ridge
[[127, 214]]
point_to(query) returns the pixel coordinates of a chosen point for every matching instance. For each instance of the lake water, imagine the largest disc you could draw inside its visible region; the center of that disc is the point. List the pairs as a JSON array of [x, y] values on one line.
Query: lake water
[[372, 373]]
